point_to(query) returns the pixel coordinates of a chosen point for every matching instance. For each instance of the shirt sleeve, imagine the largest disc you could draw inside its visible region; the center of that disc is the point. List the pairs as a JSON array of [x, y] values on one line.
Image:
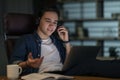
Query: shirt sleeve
[[19, 53]]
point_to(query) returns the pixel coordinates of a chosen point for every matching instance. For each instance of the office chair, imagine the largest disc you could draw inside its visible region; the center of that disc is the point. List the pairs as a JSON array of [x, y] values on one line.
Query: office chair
[[16, 25]]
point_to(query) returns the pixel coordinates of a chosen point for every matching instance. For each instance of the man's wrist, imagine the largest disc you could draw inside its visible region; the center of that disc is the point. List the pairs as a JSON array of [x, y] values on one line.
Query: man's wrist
[[27, 63], [66, 41]]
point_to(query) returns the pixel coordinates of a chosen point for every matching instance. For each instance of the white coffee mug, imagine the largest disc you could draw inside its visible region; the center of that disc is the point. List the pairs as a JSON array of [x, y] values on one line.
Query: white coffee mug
[[13, 71]]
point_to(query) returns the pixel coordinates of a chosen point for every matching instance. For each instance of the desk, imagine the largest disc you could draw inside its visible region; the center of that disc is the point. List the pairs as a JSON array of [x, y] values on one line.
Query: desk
[[92, 78], [76, 78]]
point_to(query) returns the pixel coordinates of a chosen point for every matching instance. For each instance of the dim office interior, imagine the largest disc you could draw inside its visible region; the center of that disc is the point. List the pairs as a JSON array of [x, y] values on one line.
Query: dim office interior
[[90, 23]]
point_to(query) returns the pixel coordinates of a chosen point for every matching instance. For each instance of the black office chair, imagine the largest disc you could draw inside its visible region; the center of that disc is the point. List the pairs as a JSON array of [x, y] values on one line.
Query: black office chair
[[16, 25]]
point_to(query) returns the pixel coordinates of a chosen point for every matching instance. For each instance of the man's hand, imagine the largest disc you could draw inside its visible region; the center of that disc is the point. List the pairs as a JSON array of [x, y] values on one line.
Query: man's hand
[[35, 63], [63, 33]]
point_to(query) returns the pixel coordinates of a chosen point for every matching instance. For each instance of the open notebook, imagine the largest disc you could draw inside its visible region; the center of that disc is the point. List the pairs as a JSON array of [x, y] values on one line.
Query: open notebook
[[46, 76]]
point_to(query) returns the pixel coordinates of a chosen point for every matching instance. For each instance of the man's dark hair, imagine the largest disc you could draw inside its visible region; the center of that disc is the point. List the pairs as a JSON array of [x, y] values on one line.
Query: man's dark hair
[[51, 9], [46, 9]]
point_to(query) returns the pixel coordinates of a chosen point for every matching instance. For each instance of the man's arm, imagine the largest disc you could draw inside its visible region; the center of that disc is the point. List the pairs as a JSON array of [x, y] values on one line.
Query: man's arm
[[68, 47]]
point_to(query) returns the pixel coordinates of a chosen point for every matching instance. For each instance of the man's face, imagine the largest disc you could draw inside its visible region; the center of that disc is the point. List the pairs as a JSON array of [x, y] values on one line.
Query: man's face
[[47, 24]]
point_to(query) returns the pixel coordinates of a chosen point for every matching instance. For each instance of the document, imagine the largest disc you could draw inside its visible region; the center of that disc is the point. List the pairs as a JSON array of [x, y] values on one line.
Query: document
[[46, 76]]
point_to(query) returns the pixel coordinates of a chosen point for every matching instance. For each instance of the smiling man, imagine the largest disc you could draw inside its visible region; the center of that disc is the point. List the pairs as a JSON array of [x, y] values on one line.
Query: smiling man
[[43, 51]]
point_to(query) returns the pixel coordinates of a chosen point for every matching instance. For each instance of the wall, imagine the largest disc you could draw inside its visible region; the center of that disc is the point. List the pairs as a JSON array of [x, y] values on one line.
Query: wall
[[3, 58], [2, 8], [19, 6]]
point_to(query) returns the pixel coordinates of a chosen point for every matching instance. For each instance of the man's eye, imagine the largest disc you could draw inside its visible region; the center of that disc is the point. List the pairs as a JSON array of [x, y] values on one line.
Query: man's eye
[[55, 22], [48, 21]]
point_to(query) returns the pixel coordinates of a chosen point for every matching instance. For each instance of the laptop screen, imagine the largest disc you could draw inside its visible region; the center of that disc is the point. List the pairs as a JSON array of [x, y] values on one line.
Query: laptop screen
[[81, 54]]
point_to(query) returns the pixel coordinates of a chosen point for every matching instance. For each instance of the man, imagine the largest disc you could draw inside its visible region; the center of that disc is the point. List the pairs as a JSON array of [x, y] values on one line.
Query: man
[[43, 51]]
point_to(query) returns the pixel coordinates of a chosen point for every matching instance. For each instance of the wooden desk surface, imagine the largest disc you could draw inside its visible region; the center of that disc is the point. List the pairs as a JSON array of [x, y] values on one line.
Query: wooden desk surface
[[76, 78], [93, 78]]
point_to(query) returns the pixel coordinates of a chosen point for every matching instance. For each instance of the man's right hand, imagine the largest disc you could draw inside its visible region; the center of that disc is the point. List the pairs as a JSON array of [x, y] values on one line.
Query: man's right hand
[[34, 63]]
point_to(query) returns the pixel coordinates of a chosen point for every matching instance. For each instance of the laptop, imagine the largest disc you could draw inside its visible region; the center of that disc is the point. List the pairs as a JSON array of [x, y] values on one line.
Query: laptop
[[80, 54]]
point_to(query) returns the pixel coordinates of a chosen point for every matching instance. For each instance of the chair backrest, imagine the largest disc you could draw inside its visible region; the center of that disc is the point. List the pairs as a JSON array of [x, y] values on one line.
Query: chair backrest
[[16, 25]]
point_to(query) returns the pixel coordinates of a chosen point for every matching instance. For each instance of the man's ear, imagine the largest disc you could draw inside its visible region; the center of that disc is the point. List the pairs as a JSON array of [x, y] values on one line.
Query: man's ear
[[37, 21]]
